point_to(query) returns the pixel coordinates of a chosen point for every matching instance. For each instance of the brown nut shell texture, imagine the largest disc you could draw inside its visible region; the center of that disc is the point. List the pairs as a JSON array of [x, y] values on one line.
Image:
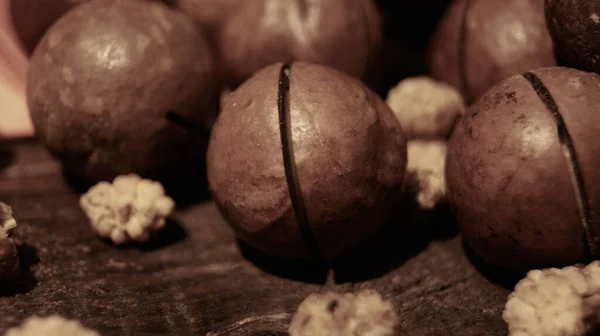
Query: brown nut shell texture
[[304, 160], [575, 30], [105, 81], [478, 43], [521, 170], [343, 34]]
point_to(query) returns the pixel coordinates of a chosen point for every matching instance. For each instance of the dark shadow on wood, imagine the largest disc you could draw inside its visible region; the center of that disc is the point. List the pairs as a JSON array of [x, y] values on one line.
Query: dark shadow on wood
[[75, 181], [25, 281], [172, 233], [298, 270], [7, 155], [409, 230], [502, 277]]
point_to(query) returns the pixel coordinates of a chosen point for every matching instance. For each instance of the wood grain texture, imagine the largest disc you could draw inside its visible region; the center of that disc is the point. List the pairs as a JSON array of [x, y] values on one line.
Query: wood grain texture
[[197, 280]]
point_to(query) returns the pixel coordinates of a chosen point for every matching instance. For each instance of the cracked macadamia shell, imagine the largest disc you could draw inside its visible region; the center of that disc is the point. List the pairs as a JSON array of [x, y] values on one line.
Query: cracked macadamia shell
[[344, 34], [575, 30], [479, 43], [103, 80], [508, 177], [348, 149]]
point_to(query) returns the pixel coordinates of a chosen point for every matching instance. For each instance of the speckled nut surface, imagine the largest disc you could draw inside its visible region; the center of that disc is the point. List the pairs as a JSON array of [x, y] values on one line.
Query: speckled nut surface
[[105, 81], [521, 170], [31, 18], [575, 30], [478, 43], [344, 34], [346, 149], [426, 109]]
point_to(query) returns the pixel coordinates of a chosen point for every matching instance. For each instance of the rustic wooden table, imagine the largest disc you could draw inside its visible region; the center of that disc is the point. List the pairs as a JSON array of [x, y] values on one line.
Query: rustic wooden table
[[197, 280]]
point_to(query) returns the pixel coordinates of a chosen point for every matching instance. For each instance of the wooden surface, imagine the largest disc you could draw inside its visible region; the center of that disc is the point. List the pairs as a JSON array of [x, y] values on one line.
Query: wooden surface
[[197, 280]]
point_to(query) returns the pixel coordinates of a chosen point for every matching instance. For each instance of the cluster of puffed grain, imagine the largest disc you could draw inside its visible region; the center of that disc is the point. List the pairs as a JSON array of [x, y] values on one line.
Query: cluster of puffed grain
[[427, 111], [426, 162], [363, 313], [54, 325], [9, 256], [129, 209], [556, 302], [7, 221]]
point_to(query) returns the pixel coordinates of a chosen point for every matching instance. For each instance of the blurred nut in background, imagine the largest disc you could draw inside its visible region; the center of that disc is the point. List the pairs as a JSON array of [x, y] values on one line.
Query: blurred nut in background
[[478, 43], [344, 34], [110, 84]]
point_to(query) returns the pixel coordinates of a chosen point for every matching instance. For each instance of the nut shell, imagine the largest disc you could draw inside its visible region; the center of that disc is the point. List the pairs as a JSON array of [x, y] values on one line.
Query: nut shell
[[500, 39], [349, 151], [575, 30], [344, 34], [103, 81], [509, 180]]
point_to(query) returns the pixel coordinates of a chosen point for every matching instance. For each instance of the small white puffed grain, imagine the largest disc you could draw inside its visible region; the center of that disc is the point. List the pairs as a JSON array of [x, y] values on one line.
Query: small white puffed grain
[[555, 302], [53, 325], [426, 162], [364, 313], [426, 109], [129, 209], [7, 221]]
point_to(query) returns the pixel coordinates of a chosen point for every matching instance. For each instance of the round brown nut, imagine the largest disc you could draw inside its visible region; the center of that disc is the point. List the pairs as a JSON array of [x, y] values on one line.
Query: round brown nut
[[326, 182], [343, 34], [575, 30], [32, 18], [521, 170], [110, 83], [479, 43]]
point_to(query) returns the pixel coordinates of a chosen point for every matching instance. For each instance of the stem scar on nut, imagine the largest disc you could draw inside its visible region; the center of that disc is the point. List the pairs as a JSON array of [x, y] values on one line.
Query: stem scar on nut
[[570, 154]]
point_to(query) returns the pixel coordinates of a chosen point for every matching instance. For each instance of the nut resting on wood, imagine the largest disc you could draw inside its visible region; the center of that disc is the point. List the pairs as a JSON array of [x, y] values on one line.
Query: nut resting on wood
[[53, 325], [129, 209], [364, 313], [556, 302], [426, 108], [9, 258]]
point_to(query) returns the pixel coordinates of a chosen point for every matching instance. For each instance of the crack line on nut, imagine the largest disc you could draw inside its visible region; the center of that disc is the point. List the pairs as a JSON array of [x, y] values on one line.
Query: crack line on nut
[[289, 163], [570, 155], [462, 53]]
